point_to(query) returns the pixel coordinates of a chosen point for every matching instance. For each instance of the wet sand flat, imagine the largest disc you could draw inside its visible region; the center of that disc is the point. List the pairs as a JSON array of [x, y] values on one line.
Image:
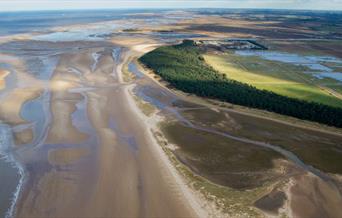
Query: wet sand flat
[[94, 158], [71, 123], [7, 186]]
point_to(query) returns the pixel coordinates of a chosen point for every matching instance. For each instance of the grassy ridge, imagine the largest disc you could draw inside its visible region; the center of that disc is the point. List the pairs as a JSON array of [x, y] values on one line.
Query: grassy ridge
[[184, 68]]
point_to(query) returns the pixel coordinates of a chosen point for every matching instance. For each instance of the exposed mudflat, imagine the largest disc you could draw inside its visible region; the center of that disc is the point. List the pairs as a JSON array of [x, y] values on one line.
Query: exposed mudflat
[[75, 143], [84, 151], [8, 186]]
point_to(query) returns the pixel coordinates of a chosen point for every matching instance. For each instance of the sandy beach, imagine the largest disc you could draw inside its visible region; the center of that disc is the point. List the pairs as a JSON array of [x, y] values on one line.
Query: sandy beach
[[77, 142], [96, 153]]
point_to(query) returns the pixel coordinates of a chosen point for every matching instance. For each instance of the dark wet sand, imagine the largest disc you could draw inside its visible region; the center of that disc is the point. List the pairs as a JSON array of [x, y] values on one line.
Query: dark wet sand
[[90, 155], [85, 151], [7, 186]]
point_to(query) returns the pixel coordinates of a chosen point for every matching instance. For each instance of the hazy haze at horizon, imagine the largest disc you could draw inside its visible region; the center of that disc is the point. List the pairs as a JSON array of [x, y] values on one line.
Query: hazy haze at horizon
[[16, 5]]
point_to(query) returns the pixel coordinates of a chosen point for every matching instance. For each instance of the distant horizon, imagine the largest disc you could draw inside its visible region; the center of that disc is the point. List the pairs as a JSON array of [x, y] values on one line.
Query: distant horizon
[[62, 5], [179, 9]]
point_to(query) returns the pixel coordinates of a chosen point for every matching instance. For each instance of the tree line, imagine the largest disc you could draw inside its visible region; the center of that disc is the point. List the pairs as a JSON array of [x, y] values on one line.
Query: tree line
[[184, 68]]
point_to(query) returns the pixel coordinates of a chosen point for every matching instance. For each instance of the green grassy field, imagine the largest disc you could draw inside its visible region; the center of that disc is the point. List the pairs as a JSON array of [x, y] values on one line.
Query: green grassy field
[[184, 68], [281, 78]]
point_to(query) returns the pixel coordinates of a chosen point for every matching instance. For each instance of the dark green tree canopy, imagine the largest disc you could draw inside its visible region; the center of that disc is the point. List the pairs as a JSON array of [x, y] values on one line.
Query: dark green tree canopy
[[184, 68]]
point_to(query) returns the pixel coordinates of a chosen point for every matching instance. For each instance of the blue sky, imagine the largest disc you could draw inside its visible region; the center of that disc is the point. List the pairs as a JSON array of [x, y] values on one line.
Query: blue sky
[[13, 5]]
